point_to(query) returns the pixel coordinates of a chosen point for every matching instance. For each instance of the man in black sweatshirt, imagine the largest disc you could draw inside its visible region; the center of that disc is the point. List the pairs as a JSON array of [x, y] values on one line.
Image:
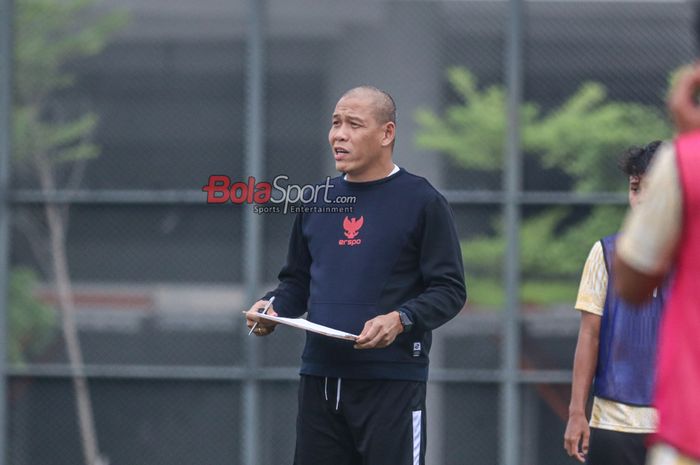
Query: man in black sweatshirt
[[391, 271]]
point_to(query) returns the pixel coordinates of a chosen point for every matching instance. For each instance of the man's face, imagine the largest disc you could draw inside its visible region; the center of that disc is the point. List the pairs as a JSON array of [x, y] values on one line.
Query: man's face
[[634, 190], [356, 137]]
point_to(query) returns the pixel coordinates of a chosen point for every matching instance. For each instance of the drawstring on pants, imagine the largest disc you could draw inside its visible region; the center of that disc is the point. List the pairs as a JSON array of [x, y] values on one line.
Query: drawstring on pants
[[337, 391], [337, 396]]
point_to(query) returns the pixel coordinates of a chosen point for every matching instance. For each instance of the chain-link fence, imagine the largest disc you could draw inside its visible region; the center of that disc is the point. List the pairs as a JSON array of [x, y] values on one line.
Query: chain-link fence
[[124, 288]]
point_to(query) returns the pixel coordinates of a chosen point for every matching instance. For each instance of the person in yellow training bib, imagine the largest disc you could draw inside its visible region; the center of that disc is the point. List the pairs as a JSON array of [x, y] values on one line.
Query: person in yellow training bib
[[615, 352]]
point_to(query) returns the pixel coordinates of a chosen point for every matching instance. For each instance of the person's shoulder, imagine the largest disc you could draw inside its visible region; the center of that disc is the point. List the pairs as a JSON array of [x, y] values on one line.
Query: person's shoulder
[[597, 247], [607, 242], [596, 256], [421, 187]]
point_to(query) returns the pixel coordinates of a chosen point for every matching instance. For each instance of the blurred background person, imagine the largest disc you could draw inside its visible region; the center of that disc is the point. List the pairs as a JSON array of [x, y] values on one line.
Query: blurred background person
[[664, 232]]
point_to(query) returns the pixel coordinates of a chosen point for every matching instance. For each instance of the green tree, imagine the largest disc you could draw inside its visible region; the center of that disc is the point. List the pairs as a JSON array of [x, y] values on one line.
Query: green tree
[[53, 141], [579, 138], [31, 323]]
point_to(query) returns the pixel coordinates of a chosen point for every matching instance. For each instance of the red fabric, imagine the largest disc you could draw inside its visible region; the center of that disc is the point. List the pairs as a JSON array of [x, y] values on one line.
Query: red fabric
[[678, 377]]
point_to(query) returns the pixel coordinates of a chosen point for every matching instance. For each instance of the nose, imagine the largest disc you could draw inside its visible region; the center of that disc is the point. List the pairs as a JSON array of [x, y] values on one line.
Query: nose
[[340, 134]]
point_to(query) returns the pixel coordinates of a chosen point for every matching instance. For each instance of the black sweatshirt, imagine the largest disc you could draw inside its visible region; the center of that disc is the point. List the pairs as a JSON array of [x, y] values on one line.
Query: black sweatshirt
[[397, 250]]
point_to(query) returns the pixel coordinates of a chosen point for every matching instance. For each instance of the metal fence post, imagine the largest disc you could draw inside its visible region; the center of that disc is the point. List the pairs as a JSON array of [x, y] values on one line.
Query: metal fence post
[[512, 182], [6, 60], [252, 237]]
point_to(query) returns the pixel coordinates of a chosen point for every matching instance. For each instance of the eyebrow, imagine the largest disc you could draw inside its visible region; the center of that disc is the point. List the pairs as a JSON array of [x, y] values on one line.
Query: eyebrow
[[350, 117]]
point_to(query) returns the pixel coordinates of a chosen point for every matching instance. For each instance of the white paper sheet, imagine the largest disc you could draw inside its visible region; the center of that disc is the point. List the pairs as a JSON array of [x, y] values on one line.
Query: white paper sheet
[[306, 325]]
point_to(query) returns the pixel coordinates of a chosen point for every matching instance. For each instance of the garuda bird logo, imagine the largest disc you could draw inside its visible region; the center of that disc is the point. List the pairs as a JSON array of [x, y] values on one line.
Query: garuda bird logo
[[352, 226]]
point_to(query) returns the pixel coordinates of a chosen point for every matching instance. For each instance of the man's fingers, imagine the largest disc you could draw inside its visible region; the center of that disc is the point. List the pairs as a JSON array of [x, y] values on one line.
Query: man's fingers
[[262, 327], [378, 338], [584, 446], [369, 332], [254, 309], [367, 335], [363, 333], [572, 438], [370, 344], [263, 330], [681, 96], [376, 342], [570, 445], [682, 102], [372, 336], [255, 317]]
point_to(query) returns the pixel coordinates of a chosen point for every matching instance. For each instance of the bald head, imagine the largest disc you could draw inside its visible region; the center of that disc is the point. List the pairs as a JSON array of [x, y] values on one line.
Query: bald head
[[382, 103]]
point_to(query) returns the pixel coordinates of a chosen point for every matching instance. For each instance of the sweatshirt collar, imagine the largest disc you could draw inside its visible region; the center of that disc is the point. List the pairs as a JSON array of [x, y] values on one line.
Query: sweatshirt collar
[[394, 170]]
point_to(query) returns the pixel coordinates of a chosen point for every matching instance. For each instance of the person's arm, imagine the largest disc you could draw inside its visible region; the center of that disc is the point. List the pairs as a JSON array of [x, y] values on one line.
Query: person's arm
[[585, 363], [636, 280], [292, 293], [590, 302], [650, 234], [443, 275], [442, 270], [635, 286]]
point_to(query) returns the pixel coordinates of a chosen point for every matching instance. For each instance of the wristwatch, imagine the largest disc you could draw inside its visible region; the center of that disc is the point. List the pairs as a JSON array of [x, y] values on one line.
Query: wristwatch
[[405, 321]]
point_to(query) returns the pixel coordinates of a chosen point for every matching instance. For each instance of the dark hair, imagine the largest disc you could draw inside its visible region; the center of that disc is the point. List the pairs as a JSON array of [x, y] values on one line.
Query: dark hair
[[635, 160]]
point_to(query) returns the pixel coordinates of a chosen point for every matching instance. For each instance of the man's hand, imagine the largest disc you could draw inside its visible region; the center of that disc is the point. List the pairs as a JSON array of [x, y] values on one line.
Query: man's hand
[[577, 431], [380, 331], [264, 327], [682, 103]]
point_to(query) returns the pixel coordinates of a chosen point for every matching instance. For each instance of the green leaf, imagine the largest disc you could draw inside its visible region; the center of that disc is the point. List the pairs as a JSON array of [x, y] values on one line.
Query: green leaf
[[581, 138], [50, 34], [71, 132], [31, 323], [552, 249]]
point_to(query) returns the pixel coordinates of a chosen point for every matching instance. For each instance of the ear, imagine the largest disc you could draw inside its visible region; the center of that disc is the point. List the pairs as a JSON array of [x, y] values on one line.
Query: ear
[[389, 134]]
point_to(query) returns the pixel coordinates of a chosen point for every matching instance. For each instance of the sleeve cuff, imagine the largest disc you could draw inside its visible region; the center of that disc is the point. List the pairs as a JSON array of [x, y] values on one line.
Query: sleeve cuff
[[589, 308]]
